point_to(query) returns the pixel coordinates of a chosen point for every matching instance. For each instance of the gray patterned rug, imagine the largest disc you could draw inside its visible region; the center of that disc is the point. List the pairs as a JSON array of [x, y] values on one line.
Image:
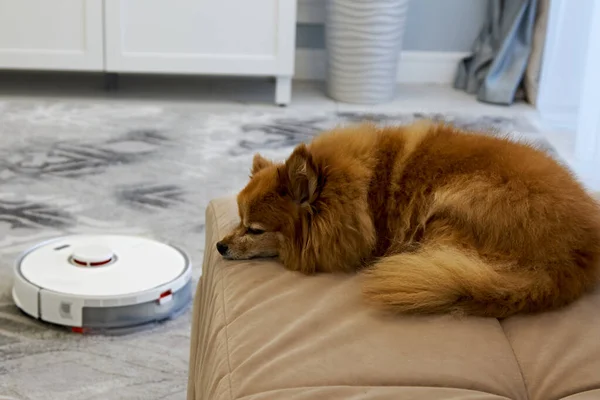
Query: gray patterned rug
[[136, 169]]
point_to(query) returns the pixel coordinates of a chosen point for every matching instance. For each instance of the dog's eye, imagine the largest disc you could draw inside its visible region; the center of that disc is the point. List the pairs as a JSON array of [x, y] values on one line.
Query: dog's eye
[[253, 231]]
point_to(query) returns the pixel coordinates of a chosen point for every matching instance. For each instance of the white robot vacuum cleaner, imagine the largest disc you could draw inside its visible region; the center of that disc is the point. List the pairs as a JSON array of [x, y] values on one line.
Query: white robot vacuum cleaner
[[102, 283]]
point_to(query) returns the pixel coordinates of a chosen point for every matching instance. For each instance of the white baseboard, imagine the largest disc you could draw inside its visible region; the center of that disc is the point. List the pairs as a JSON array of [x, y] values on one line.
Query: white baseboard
[[413, 67], [559, 119]]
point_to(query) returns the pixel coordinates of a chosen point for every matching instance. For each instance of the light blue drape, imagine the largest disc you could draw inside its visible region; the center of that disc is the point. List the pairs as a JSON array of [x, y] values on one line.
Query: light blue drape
[[500, 53]]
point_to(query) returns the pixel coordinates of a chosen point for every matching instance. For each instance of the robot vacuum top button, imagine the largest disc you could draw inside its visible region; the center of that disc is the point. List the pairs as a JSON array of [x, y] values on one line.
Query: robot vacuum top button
[[92, 256]]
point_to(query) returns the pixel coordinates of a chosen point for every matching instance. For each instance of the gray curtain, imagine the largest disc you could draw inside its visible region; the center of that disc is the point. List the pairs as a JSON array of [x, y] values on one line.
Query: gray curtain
[[495, 69]]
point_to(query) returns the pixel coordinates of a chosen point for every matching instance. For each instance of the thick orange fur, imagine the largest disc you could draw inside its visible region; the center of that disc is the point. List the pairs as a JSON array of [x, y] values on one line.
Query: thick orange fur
[[438, 220]]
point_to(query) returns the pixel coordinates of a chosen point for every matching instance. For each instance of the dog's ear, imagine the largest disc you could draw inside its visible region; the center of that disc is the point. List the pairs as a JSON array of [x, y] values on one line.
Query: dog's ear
[[259, 162], [302, 176]]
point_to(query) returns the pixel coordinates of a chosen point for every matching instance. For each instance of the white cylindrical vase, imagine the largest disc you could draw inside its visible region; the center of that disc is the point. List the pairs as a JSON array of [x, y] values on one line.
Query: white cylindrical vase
[[363, 40]]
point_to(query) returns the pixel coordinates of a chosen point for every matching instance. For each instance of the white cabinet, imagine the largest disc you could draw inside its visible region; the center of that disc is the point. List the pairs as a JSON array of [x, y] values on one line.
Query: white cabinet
[[224, 37], [214, 37], [200, 36], [56, 34]]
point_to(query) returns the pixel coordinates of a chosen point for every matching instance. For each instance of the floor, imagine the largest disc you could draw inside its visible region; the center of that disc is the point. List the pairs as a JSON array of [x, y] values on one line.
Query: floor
[[210, 95], [145, 160]]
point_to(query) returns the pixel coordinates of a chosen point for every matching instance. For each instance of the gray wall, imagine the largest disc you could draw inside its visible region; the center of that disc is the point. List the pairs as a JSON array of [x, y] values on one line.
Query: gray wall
[[432, 25]]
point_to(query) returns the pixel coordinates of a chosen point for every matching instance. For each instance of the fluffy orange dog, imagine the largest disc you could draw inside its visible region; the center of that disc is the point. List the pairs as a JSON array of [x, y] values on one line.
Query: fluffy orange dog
[[440, 220]]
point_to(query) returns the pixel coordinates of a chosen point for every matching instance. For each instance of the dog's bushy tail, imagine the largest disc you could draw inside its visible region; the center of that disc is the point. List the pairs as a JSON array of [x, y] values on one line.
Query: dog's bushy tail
[[449, 280]]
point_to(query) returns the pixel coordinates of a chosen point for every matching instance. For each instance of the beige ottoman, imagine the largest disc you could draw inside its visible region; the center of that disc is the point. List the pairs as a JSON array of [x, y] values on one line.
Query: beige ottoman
[[261, 332]]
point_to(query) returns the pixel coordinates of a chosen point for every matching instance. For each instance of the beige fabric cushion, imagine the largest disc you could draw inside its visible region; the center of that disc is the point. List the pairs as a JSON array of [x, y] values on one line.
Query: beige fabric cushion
[[261, 332], [559, 352]]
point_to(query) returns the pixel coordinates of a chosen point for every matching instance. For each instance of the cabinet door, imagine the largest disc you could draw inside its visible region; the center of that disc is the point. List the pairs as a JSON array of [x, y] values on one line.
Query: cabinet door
[[247, 37], [51, 34]]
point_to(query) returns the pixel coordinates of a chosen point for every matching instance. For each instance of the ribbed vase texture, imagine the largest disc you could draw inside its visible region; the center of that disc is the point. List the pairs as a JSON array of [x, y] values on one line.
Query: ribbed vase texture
[[363, 39]]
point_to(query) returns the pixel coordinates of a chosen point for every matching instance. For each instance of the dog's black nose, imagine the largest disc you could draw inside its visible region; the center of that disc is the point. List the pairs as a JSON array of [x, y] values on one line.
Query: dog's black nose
[[222, 248]]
